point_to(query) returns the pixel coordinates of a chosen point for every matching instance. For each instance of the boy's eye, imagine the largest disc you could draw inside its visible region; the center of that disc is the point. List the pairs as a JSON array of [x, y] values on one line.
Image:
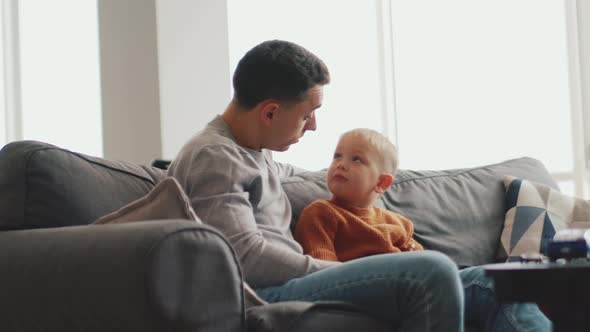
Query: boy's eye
[[337, 155], [357, 159]]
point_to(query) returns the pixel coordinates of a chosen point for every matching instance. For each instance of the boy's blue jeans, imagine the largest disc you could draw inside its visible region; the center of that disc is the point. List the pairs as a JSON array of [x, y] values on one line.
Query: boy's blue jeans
[[415, 291]]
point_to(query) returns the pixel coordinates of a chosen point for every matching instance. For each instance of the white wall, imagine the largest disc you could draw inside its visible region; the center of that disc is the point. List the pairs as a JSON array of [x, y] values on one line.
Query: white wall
[[584, 43], [194, 67], [129, 78]]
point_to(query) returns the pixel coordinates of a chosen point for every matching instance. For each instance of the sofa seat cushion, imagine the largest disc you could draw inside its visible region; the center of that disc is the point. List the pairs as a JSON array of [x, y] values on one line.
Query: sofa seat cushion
[[46, 186], [458, 212], [298, 316]]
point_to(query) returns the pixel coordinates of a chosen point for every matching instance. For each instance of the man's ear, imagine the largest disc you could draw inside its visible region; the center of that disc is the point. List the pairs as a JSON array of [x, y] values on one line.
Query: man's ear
[[385, 180], [268, 110]]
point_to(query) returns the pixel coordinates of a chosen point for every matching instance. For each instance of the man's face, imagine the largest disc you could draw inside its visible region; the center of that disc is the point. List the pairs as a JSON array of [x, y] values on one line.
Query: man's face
[[292, 121], [354, 173]]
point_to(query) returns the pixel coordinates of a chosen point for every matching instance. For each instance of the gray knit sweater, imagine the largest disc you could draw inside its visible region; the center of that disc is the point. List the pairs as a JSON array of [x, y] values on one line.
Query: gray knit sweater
[[238, 191]]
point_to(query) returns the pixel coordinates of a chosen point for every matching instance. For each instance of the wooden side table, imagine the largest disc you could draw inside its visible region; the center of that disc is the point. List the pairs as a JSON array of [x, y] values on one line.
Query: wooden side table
[[561, 289]]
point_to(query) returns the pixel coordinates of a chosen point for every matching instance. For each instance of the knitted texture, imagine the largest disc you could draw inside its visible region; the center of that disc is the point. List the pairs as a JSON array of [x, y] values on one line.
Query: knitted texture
[[340, 233]]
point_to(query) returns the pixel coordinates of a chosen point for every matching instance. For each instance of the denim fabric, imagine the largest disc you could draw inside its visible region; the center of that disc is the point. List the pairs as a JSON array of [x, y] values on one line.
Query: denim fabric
[[482, 309], [415, 291]]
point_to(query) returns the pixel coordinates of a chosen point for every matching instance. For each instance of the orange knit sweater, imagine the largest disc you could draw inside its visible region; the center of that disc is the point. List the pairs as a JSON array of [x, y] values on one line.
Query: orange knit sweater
[[340, 233]]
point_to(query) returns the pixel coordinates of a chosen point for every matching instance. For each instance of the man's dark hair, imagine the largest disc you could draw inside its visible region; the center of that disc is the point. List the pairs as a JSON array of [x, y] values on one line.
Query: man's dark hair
[[277, 69]]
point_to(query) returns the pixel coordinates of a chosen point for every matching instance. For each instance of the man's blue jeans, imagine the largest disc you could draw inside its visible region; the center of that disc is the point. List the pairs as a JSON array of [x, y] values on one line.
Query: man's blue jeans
[[415, 291]]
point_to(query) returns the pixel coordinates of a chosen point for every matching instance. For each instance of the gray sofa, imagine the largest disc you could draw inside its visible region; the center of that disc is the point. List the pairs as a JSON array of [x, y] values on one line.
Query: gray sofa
[[60, 273]]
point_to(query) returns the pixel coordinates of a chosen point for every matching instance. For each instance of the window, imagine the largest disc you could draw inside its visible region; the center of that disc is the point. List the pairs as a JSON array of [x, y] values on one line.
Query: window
[[473, 91], [455, 83], [60, 73], [470, 91], [353, 98]]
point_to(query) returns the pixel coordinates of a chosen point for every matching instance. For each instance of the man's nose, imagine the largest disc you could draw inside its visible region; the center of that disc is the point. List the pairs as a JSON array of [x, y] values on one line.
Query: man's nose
[[311, 123]]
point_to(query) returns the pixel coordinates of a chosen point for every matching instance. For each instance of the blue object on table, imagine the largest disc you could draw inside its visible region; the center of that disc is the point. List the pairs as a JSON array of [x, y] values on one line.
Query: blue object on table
[[569, 244]]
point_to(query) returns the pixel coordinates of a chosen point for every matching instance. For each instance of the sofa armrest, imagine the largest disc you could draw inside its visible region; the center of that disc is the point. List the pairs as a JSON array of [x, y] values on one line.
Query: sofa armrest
[[166, 275]]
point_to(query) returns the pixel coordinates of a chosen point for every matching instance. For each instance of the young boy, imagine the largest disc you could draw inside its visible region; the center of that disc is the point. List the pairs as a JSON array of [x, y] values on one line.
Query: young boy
[[348, 225]]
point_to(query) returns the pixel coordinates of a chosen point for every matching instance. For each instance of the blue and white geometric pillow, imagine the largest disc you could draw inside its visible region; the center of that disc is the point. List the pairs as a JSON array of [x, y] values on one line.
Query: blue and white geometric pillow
[[534, 213]]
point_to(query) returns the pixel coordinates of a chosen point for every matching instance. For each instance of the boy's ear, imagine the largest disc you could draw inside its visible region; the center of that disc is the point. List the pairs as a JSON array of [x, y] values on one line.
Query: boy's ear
[[385, 180], [268, 109]]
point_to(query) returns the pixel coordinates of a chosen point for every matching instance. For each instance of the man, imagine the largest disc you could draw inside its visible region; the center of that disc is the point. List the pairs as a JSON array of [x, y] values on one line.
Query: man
[[234, 185]]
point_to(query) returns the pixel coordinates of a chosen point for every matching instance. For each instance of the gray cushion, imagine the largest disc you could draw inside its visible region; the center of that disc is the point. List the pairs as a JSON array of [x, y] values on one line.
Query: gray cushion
[[46, 186], [167, 200], [458, 212], [304, 188]]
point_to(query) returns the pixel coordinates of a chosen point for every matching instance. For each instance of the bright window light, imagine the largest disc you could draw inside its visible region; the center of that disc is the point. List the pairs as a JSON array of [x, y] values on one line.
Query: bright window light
[[60, 73], [346, 42], [474, 82], [479, 82]]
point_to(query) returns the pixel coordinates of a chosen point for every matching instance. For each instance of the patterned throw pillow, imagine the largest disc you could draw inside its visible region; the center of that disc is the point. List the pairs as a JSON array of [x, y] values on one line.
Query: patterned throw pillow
[[534, 213]]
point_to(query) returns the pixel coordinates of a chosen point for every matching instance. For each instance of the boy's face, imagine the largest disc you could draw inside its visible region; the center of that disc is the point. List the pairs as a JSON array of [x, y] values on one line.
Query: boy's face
[[355, 172]]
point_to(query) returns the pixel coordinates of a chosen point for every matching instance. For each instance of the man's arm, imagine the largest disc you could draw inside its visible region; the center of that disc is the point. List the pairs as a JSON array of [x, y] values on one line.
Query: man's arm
[[216, 182]]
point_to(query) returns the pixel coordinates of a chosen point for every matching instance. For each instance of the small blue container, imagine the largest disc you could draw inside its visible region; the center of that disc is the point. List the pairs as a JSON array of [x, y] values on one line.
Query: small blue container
[[569, 244]]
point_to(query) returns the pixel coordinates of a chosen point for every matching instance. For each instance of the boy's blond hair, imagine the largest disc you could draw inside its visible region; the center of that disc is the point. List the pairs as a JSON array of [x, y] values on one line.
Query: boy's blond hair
[[386, 150]]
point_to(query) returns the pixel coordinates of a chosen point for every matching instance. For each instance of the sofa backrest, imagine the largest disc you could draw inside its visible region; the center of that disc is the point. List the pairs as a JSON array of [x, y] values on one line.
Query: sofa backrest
[[42, 186], [458, 212]]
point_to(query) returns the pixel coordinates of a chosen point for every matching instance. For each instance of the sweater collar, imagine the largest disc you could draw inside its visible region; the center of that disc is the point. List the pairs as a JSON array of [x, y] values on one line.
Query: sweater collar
[[223, 128], [358, 211]]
